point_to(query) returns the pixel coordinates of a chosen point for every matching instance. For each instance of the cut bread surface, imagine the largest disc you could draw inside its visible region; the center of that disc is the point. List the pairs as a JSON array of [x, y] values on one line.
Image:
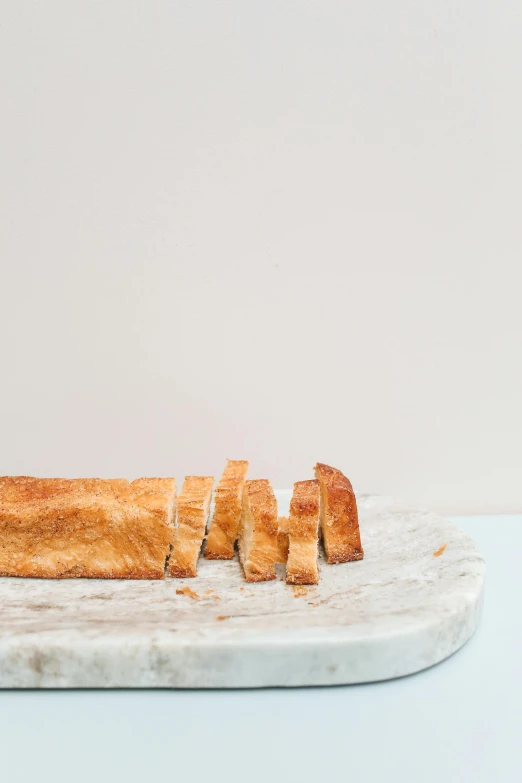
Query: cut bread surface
[[303, 534], [282, 539], [258, 537], [193, 511], [228, 501]]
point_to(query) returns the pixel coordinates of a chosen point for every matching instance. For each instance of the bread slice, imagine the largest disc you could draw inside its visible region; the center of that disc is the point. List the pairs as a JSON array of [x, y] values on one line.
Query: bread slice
[[303, 534], [339, 520], [99, 528], [258, 547], [228, 500], [193, 511], [282, 539]]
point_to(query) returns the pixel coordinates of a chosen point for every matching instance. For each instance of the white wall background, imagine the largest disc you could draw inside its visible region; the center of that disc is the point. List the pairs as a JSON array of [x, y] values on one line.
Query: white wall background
[[285, 231]]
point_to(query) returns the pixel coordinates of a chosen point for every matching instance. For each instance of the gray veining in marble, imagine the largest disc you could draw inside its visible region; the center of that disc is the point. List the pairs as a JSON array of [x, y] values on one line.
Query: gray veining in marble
[[398, 611]]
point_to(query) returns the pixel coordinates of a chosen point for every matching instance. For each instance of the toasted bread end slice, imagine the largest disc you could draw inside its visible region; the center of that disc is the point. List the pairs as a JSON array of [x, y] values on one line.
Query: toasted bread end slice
[[338, 518]]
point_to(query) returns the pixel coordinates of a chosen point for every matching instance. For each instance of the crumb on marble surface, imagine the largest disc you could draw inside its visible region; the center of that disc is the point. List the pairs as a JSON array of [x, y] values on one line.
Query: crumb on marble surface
[[440, 550], [188, 592]]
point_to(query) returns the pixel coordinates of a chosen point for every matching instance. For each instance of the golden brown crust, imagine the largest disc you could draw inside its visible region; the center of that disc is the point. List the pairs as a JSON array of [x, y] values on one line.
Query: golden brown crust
[[193, 511], [258, 547], [96, 528], [339, 518], [303, 534], [228, 500]]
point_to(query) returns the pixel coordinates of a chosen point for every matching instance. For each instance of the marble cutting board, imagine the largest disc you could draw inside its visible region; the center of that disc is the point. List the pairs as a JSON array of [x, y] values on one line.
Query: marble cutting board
[[398, 611]]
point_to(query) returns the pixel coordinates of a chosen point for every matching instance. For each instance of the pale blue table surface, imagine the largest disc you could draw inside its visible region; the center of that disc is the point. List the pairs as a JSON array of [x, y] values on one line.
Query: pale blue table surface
[[459, 721]]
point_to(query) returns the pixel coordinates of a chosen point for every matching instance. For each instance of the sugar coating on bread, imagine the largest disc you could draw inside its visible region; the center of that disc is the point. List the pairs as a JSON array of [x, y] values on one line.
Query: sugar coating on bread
[[228, 501], [193, 511], [339, 519], [258, 544], [303, 534], [98, 528]]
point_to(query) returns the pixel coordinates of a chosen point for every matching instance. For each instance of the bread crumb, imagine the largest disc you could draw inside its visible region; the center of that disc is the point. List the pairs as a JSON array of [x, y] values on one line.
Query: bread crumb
[[241, 589], [208, 592], [188, 592], [439, 551], [299, 590], [222, 617], [216, 598]]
